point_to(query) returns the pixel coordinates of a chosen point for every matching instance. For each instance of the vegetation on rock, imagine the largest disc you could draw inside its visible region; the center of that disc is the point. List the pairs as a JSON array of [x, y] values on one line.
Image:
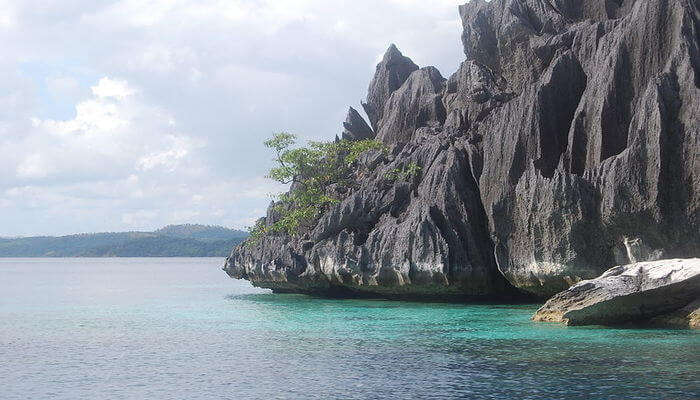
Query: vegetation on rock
[[319, 174], [405, 173]]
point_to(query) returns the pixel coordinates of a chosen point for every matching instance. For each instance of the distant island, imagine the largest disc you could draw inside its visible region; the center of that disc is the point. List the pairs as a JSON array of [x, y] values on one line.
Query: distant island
[[188, 240]]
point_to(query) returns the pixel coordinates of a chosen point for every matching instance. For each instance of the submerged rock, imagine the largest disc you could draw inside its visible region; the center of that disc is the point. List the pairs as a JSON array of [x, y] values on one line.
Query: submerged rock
[[566, 143], [633, 292]]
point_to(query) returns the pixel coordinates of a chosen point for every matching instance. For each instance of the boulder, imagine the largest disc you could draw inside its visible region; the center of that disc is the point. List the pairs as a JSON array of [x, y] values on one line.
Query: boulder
[[627, 293]]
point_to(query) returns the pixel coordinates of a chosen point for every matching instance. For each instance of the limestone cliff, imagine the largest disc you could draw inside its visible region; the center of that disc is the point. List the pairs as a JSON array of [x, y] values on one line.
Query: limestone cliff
[[566, 143]]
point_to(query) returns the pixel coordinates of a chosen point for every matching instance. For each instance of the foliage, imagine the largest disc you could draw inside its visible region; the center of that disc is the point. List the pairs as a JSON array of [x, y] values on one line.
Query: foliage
[[171, 241], [256, 231], [207, 233], [404, 173], [162, 246], [311, 170]]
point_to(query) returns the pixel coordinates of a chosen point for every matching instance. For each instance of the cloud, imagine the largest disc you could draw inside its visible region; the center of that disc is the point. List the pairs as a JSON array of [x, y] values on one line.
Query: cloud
[[169, 158], [129, 114], [63, 88], [115, 133], [7, 15], [33, 166], [111, 88], [120, 163]]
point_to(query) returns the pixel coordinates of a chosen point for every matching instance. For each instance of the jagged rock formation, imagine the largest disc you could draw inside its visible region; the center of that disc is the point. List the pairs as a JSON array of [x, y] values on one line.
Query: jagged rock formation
[[629, 293], [391, 73], [355, 127], [416, 104], [566, 143]]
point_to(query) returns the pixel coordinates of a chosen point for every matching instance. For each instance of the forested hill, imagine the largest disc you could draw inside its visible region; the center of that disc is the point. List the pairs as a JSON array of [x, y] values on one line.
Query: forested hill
[[189, 240]]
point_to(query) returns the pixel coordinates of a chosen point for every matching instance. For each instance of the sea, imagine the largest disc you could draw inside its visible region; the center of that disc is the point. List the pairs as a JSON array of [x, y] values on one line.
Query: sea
[[180, 328]]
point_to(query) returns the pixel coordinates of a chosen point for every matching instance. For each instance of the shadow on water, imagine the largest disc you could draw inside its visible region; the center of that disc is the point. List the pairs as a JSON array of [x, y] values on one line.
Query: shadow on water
[[287, 299], [466, 321], [404, 299], [372, 302]]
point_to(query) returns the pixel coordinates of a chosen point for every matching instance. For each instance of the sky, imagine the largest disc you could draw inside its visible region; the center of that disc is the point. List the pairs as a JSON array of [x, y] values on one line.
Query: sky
[[134, 114]]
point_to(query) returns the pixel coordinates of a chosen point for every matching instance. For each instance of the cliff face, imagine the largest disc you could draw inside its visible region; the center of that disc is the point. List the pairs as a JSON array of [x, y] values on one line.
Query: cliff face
[[567, 142]]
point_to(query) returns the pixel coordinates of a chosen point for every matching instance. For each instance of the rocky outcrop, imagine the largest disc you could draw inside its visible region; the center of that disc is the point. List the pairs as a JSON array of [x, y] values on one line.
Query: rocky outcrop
[[355, 127], [391, 73], [416, 237], [566, 143], [630, 293], [416, 104]]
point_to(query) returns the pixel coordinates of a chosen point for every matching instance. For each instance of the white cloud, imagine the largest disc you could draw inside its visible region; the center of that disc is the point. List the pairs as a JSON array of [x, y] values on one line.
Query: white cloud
[[7, 15], [117, 89], [114, 133], [129, 114], [93, 117], [134, 218], [169, 158], [135, 203], [34, 166]]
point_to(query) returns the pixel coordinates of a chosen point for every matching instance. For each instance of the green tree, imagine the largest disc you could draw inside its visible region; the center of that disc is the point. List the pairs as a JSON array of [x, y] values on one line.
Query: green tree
[[312, 170]]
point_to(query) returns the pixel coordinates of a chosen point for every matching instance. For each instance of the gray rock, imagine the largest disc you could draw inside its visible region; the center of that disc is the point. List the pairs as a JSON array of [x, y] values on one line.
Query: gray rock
[[633, 292], [686, 317], [606, 116], [566, 143], [391, 73], [355, 127], [416, 104], [423, 237], [470, 95]]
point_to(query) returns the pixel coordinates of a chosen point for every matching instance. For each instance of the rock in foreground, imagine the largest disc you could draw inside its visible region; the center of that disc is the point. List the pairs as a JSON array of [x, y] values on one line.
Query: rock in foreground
[[627, 293]]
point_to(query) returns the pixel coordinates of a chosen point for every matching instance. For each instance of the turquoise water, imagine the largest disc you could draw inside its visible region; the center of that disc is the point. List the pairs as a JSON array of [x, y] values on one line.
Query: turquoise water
[[180, 329]]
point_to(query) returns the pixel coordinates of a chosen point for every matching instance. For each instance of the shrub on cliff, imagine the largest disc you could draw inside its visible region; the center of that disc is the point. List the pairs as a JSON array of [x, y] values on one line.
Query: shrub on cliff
[[318, 173]]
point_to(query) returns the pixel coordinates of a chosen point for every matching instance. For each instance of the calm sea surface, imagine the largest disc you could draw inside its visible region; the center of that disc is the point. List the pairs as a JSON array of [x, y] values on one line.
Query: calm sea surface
[[179, 328]]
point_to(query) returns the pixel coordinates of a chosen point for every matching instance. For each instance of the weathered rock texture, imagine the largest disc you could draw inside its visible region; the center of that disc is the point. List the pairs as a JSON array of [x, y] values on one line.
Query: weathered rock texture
[[355, 127], [566, 143], [685, 317], [391, 73], [633, 292]]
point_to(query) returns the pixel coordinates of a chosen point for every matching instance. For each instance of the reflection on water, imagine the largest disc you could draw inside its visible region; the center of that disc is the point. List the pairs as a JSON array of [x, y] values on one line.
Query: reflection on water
[[179, 328]]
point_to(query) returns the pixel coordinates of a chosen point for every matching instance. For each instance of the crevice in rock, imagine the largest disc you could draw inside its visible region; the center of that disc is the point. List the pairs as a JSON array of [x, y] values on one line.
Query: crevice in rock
[[445, 231], [577, 145], [401, 199], [558, 101], [675, 188], [616, 113], [612, 6], [528, 18], [519, 163]]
